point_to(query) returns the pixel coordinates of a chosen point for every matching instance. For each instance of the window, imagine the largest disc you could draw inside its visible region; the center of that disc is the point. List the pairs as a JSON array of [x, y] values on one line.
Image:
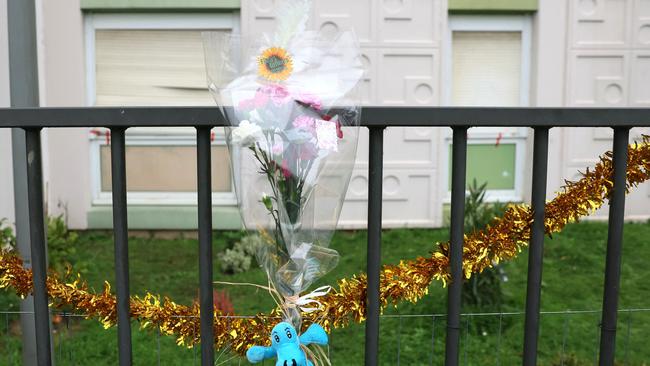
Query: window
[[488, 64], [154, 59]]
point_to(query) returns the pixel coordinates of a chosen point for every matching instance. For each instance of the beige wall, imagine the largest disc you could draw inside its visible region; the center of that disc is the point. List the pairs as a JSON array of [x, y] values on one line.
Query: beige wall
[[558, 42], [68, 183], [6, 177], [405, 38], [607, 65], [547, 82]]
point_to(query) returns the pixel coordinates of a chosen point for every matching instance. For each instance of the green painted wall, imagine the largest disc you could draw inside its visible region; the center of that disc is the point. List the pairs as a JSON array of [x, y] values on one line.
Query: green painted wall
[[492, 5], [159, 4], [165, 217], [489, 163]]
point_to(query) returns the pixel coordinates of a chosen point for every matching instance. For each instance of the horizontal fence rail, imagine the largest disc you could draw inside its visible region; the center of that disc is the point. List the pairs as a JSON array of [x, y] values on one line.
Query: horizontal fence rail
[[118, 119], [371, 117]]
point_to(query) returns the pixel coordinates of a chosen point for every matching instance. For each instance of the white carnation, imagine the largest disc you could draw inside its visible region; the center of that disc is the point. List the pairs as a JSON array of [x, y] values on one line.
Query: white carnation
[[246, 133]]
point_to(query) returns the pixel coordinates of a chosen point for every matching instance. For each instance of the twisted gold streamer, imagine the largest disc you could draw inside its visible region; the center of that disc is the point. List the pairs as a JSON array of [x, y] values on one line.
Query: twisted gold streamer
[[503, 239]]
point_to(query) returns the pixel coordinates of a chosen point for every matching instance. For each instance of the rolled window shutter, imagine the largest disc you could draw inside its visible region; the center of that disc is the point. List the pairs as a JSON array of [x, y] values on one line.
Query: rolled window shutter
[[150, 67], [486, 68], [156, 68]]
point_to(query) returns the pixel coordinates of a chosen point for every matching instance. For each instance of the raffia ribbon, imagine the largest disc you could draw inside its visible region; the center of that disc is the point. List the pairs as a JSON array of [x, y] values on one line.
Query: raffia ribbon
[[306, 302]]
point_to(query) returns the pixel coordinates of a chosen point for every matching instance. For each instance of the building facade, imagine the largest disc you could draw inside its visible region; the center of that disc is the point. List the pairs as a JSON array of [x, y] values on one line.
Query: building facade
[[590, 53]]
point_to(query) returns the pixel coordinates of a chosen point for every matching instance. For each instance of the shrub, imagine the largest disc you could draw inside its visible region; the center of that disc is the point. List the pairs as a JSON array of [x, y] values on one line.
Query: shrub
[[235, 261], [249, 244], [61, 244], [240, 257], [7, 238], [221, 302], [482, 290]]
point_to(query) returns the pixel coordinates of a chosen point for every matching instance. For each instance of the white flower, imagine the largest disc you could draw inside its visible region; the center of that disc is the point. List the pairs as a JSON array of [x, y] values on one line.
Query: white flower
[[255, 117], [326, 135], [246, 133]]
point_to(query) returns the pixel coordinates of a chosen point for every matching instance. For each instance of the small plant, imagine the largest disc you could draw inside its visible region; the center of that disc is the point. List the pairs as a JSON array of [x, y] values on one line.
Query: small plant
[[249, 244], [478, 213], [568, 360], [7, 237], [220, 300], [482, 290], [61, 244], [240, 257], [234, 261]]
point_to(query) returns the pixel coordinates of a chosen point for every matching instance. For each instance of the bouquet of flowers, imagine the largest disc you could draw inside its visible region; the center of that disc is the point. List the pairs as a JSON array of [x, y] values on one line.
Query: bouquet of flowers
[[290, 100]]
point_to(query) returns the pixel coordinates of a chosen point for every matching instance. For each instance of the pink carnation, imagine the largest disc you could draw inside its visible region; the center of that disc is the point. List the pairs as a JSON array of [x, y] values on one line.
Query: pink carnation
[[308, 151], [277, 93], [278, 147], [304, 122], [246, 104], [286, 172]]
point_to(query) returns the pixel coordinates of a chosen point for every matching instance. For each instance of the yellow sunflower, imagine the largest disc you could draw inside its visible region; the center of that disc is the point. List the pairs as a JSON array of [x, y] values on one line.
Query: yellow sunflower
[[275, 64]]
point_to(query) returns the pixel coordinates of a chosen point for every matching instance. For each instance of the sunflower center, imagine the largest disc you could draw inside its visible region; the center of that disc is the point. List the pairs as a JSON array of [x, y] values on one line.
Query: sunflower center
[[275, 64]]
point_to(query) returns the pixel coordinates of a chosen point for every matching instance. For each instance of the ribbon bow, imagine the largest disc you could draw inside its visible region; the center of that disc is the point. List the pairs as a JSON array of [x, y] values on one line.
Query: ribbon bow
[[309, 299]]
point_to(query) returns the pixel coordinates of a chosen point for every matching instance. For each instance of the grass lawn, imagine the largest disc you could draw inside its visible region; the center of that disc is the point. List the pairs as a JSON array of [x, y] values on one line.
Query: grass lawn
[[573, 278]]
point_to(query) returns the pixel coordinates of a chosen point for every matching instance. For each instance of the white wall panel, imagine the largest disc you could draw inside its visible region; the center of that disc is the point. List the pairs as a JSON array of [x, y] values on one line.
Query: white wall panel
[[410, 22], [641, 23], [600, 23], [333, 15], [640, 78], [6, 167], [608, 66], [598, 78], [412, 78], [400, 41]]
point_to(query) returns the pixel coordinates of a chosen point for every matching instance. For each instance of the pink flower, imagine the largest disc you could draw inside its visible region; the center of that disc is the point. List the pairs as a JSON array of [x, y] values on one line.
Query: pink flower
[[311, 100], [260, 99], [246, 104], [307, 151], [278, 94], [278, 147], [285, 169], [304, 122]]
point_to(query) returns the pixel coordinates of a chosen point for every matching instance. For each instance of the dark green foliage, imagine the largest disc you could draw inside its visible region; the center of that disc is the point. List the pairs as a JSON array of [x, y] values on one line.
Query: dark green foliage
[[573, 279], [62, 246], [482, 292], [478, 213]]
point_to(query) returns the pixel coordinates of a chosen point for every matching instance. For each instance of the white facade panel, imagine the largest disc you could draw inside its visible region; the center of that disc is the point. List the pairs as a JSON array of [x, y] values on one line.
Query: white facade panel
[[593, 53], [6, 167], [405, 38], [608, 65]]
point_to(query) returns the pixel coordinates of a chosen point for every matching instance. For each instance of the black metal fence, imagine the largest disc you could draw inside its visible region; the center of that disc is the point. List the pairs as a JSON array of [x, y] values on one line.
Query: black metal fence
[[32, 120]]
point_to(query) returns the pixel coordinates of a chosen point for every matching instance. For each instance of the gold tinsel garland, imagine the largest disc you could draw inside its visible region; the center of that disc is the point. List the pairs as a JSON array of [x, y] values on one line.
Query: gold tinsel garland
[[409, 280]]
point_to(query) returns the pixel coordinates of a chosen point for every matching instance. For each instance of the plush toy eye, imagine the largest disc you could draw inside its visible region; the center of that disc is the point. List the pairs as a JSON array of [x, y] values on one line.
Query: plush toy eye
[[288, 333], [277, 339]]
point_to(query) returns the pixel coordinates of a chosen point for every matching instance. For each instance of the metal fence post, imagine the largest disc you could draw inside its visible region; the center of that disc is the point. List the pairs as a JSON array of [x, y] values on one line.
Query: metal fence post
[[23, 84], [614, 246], [536, 249], [37, 235], [121, 237], [375, 177], [204, 178], [457, 228]]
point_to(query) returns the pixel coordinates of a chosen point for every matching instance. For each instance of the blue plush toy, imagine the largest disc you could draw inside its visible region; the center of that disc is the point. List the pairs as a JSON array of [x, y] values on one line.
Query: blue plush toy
[[285, 345]]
